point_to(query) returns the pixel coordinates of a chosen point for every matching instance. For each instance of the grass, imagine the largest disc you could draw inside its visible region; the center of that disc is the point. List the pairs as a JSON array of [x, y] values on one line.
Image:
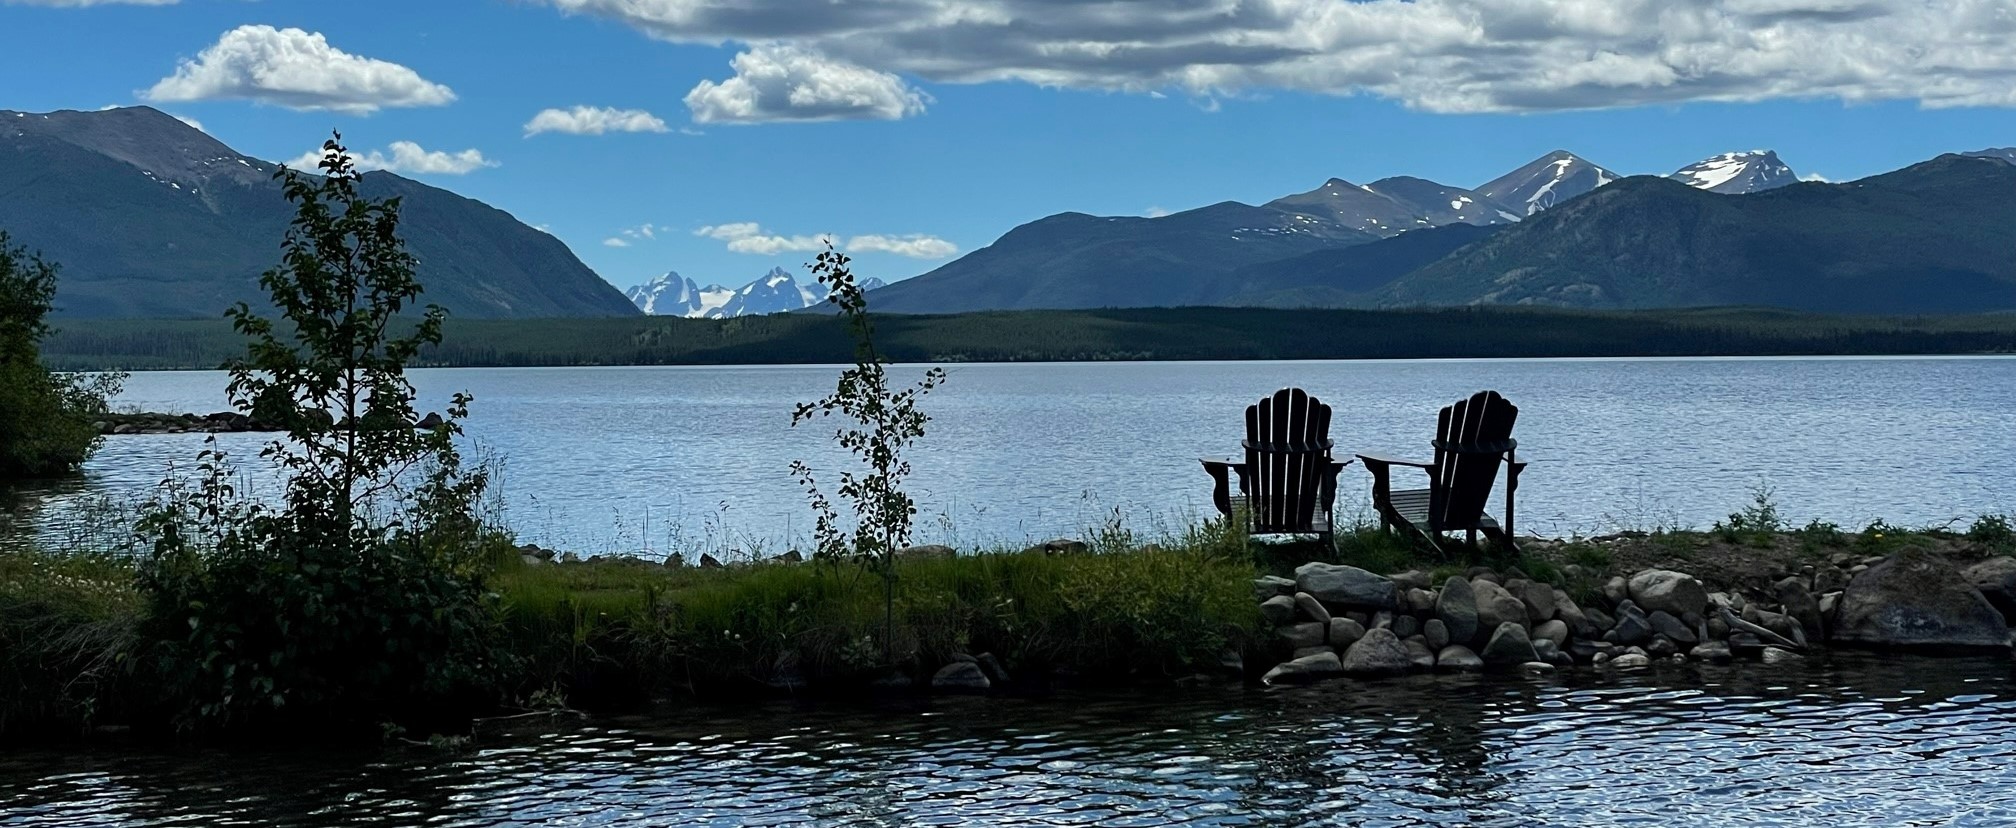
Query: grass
[[612, 628], [66, 629]]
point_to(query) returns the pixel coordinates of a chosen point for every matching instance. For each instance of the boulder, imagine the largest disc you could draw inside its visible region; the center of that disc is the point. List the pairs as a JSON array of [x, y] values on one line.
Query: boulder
[[1278, 610], [1538, 598], [1381, 620], [1714, 651], [1663, 623], [929, 550], [961, 677], [1536, 667], [1632, 628], [1777, 655], [1616, 590], [1600, 620], [1555, 631], [1305, 634], [1661, 647], [1268, 586], [1457, 657], [1996, 579], [1801, 606], [1412, 579], [1456, 608], [1311, 608], [1306, 668], [1571, 614], [996, 672], [1630, 661], [1831, 579], [1305, 652], [1345, 632], [1405, 625], [1436, 632], [1065, 546], [1917, 599], [431, 421], [1419, 601], [1509, 645], [1380, 652], [1418, 654], [1346, 586], [1663, 589], [1496, 606], [706, 561]]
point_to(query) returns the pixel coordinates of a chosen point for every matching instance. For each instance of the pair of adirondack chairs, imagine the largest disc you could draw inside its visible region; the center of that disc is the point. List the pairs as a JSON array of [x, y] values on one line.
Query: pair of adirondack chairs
[[1288, 478]]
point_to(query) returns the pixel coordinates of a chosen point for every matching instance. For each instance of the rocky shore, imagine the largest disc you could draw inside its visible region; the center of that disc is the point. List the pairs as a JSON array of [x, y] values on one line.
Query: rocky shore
[[149, 422], [1338, 620]]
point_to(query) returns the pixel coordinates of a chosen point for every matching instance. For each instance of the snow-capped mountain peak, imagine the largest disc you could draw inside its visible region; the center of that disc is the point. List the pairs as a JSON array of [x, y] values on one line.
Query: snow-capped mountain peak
[[1546, 181], [773, 292], [1737, 172]]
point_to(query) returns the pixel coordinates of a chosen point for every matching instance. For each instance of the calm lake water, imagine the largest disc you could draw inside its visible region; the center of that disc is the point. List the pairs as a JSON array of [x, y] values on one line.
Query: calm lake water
[[1851, 742], [651, 459]]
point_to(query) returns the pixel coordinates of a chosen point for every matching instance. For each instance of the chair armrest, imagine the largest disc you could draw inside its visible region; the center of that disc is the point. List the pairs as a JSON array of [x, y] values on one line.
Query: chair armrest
[[1221, 487], [1371, 460]]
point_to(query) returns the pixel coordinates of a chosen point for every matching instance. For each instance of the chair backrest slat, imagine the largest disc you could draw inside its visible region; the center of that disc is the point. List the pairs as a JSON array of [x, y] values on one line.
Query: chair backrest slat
[[1461, 480], [1286, 452]]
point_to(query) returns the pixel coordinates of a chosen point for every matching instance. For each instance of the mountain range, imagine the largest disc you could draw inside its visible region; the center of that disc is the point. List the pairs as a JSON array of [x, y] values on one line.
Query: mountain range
[[149, 216], [775, 292], [1737, 228]]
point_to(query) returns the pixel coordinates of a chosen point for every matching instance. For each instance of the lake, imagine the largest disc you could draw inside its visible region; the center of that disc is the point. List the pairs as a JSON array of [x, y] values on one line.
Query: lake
[[1849, 740], [646, 459]]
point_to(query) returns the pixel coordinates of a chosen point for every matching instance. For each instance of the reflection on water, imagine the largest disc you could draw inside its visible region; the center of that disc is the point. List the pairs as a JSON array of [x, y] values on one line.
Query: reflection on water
[[657, 459], [1847, 741]]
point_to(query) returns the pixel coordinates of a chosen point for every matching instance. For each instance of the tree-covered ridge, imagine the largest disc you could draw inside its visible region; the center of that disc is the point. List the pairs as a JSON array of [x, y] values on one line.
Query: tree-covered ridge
[[1119, 334]]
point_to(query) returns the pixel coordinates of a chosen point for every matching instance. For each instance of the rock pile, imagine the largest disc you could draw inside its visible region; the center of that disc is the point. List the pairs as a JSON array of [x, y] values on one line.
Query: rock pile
[[220, 422], [1336, 620]]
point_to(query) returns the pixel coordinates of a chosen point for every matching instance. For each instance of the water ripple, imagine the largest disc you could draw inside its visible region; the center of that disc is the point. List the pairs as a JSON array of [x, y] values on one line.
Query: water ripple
[[1841, 741]]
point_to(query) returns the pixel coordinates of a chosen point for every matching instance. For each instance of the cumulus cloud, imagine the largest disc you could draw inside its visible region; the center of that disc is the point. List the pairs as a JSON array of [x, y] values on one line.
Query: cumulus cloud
[[785, 83], [915, 246], [613, 241], [407, 158], [295, 69], [1437, 55], [750, 237], [590, 120]]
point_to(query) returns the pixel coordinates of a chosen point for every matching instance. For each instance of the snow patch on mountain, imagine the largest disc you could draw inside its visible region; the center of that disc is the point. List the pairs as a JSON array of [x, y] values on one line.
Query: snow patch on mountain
[[1737, 172], [1546, 181]]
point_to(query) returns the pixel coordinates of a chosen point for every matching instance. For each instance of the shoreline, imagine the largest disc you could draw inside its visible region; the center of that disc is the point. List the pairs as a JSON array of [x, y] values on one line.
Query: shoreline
[[616, 635]]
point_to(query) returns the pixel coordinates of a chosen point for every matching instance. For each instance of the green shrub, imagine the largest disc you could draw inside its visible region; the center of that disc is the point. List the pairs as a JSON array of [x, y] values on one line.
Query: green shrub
[[66, 631], [361, 597], [1993, 533], [1757, 524], [46, 420]]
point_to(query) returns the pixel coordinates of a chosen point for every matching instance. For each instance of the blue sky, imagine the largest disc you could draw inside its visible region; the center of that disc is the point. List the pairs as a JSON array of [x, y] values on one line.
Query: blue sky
[[918, 130]]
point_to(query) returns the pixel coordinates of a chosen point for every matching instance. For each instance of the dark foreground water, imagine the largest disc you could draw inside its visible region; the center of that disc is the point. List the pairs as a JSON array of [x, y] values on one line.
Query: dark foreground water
[[1851, 741], [630, 460]]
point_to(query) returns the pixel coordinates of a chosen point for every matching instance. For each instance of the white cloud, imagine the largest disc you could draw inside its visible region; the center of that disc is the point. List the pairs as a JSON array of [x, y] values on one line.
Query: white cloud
[[1437, 55], [1816, 177], [784, 83], [613, 241], [750, 237], [1155, 212], [915, 246], [406, 158], [295, 69], [589, 120]]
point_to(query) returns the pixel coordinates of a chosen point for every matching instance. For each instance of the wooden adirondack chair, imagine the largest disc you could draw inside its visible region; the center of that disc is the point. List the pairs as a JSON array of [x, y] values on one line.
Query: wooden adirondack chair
[[1288, 481], [1472, 438]]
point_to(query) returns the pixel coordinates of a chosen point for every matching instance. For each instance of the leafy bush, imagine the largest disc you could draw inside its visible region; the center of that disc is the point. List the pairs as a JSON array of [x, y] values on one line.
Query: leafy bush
[[361, 597], [45, 419], [1993, 533], [1757, 524]]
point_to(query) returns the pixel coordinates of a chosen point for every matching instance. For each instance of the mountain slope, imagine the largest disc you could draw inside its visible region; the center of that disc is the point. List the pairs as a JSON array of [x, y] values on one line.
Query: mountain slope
[[1932, 237], [773, 292], [1343, 277], [1736, 173], [150, 217], [1546, 181], [1074, 260]]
